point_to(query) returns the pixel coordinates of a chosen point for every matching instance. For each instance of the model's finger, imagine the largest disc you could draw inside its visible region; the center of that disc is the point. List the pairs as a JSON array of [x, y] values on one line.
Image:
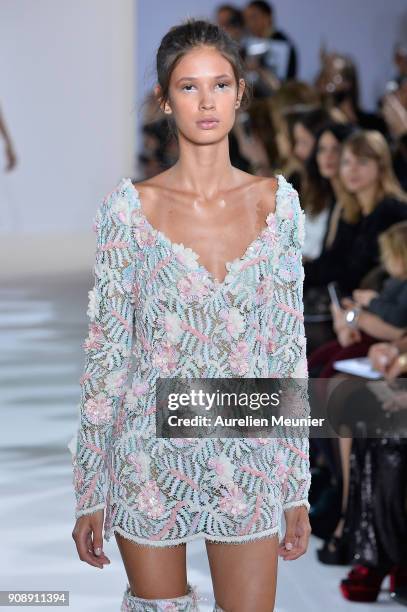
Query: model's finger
[[81, 542]]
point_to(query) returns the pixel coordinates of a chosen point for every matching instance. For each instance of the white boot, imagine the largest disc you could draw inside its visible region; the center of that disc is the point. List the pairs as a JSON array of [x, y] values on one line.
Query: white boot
[[184, 603]]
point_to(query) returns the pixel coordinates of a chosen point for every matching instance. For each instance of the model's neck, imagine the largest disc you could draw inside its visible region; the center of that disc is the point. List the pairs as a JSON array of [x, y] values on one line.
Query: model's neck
[[204, 169]]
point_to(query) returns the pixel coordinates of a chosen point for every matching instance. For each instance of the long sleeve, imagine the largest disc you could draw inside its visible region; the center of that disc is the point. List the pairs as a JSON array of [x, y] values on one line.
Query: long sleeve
[[391, 304], [293, 452], [108, 353]]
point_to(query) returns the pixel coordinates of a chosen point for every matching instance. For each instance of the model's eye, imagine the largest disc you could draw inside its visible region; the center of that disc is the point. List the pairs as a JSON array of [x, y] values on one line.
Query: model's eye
[[185, 87], [223, 85]]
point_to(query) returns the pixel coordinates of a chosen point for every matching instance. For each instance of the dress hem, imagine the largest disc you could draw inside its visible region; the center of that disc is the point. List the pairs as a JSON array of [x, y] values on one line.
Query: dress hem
[[197, 536], [91, 510]]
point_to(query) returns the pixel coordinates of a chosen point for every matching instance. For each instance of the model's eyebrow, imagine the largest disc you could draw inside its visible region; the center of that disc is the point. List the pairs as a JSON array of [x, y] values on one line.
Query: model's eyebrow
[[220, 76]]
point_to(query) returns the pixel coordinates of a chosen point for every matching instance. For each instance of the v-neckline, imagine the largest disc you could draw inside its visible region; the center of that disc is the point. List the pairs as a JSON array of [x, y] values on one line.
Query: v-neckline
[[177, 246]]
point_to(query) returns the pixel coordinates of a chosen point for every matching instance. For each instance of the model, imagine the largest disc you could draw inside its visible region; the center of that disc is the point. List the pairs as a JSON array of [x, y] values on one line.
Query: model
[[198, 275]]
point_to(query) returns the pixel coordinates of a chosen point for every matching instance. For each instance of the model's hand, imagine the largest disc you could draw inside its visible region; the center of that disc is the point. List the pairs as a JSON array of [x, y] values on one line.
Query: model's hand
[[88, 537], [297, 533]]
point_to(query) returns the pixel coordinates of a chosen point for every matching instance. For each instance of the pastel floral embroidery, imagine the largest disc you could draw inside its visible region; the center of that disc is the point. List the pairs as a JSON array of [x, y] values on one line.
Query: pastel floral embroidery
[[224, 469], [289, 266], [93, 304], [148, 500], [233, 501], [301, 227], [165, 357], [115, 382], [143, 233], [264, 290], [193, 286], [141, 463], [286, 210], [238, 358], [234, 321], [99, 409], [121, 209], [95, 337], [186, 256], [173, 327]]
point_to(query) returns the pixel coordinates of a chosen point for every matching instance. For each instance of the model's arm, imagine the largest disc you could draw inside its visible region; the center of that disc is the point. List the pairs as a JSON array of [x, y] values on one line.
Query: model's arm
[[295, 451], [108, 356]]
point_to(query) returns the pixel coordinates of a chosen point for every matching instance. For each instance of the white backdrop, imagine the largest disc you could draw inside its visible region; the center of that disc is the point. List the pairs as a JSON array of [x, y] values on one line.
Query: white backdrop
[[67, 94]]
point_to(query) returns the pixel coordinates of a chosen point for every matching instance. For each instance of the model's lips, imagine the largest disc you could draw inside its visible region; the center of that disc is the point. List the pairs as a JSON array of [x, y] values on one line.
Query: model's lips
[[208, 124]]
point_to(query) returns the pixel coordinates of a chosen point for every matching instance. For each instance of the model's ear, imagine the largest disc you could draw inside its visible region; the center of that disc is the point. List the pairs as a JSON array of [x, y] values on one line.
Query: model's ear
[[164, 107]]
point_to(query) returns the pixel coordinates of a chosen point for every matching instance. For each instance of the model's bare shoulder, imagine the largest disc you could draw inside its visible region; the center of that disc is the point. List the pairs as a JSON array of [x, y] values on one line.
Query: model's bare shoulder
[[151, 190], [268, 186]]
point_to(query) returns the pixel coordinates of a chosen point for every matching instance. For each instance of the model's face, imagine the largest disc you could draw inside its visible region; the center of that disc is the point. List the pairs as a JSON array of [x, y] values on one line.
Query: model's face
[[257, 22], [203, 96], [328, 155], [303, 142], [358, 173]]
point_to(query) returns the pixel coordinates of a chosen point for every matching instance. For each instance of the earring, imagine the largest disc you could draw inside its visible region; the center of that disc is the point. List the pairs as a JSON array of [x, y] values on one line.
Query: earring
[[237, 104]]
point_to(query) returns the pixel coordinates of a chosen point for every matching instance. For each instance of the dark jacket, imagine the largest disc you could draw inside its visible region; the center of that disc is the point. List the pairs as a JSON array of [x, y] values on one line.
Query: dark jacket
[[391, 304], [355, 250], [292, 60]]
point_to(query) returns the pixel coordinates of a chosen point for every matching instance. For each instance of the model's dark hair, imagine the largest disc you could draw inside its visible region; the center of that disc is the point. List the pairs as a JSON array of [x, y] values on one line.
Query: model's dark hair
[[264, 7], [190, 34]]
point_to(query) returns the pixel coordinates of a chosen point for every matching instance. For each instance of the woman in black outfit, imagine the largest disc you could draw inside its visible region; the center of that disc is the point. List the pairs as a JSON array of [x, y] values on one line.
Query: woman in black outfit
[[372, 200]]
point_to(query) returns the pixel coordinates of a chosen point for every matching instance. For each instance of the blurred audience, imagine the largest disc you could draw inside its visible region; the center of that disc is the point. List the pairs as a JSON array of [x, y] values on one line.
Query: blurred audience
[[371, 200], [338, 83], [260, 22]]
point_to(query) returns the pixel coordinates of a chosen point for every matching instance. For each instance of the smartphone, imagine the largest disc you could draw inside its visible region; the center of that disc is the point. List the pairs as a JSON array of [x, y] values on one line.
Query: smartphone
[[333, 290]]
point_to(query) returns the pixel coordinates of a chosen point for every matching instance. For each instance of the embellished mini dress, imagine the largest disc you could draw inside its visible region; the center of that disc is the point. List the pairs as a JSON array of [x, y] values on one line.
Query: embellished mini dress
[[156, 311]]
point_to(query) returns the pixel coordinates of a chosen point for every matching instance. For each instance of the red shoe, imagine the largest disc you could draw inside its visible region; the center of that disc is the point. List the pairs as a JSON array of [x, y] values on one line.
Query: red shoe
[[363, 583], [398, 578]]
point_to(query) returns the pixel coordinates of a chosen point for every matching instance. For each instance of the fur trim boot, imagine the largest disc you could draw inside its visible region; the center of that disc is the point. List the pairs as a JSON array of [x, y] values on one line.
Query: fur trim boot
[[184, 603]]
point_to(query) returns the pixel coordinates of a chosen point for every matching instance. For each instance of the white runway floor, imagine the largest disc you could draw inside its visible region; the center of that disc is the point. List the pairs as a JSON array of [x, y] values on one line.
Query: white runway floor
[[43, 324]]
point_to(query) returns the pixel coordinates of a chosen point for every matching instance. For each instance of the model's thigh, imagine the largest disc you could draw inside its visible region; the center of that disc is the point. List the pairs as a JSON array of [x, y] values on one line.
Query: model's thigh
[[244, 575], [154, 572]]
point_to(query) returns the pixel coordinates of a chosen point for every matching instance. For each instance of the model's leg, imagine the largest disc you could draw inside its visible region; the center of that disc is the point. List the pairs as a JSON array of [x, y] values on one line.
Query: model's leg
[[244, 575], [156, 574]]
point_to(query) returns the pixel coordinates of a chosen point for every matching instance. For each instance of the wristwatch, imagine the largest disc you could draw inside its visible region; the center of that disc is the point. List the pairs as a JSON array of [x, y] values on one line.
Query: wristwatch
[[352, 316]]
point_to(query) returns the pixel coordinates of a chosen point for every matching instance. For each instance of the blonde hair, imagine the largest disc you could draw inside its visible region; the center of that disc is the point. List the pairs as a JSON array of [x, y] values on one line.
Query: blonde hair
[[393, 244], [373, 145]]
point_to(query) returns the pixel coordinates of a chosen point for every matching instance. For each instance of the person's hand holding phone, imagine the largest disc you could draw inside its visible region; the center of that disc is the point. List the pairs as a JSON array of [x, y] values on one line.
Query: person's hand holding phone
[[363, 297]]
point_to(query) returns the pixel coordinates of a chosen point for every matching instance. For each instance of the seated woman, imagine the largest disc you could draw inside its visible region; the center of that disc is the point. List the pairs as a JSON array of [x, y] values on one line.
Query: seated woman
[[370, 316], [371, 201], [320, 186]]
